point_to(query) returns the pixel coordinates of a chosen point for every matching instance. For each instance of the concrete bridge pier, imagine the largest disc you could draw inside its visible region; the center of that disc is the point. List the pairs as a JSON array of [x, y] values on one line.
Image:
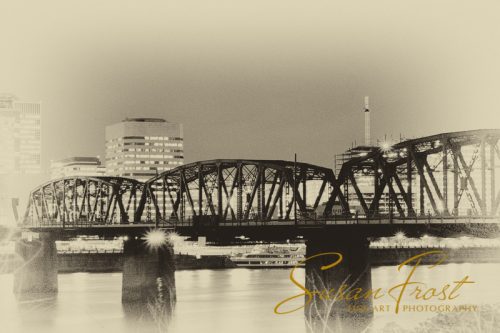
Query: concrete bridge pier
[[334, 304], [38, 273], [148, 275]]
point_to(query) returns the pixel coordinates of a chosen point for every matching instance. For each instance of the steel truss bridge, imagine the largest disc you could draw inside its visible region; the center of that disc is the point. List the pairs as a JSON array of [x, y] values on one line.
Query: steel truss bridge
[[442, 179]]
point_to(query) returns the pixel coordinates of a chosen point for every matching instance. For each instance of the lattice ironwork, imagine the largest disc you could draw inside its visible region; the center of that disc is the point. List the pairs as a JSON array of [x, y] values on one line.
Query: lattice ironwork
[[414, 176], [444, 175], [238, 190], [77, 201]]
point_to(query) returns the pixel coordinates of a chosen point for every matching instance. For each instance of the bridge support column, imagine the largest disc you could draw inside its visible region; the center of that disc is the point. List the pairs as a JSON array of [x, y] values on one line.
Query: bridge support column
[[38, 273], [336, 308], [148, 274]]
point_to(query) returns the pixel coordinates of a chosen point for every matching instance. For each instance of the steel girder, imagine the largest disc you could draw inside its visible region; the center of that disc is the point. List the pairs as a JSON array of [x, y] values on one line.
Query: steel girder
[[449, 174], [444, 168], [77, 201], [239, 190]]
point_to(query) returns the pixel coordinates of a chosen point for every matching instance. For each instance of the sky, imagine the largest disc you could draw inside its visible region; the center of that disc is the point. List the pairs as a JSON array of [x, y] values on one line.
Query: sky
[[253, 79]]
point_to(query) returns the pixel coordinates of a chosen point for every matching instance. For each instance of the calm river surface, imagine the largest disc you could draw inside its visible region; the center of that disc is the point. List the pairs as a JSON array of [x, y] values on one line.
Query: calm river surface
[[231, 300]]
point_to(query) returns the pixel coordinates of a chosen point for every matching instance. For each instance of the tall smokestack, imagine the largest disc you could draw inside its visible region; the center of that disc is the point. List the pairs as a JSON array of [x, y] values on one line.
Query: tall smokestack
[[367, 122]]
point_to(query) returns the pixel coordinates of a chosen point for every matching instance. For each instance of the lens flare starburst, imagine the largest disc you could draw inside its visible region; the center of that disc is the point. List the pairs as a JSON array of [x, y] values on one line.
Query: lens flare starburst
[[156, 239], [385, 146], [400, 235]]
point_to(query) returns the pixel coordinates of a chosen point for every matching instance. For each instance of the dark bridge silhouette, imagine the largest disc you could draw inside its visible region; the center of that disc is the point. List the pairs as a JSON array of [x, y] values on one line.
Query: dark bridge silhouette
[[444, 184], [444, 178]]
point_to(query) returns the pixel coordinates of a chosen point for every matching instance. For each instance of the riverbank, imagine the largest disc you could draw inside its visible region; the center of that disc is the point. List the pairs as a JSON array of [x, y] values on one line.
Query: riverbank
[[113, 261], [395, 256]]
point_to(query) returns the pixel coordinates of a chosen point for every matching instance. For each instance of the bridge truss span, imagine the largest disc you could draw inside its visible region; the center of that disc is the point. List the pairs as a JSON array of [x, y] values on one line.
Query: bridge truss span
[[83, 201], [237, 190], [449, 174], [438, 179]]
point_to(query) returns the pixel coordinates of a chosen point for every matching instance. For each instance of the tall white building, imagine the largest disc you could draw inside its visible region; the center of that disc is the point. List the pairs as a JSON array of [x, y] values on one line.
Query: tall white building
[[20, 154], [141, 148], [20, 136], [77, 166]]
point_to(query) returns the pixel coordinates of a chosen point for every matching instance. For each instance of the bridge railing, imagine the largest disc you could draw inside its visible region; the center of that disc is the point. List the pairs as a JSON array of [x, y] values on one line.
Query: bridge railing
[[303, 221], [443, 178]]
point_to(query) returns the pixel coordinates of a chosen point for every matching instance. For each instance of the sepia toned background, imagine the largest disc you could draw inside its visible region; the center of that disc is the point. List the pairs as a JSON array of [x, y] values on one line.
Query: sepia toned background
[[246, 79], [276, 77]]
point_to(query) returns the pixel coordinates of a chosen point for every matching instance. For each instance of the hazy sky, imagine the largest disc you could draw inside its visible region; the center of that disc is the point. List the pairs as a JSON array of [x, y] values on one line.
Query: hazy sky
[[253, 79]]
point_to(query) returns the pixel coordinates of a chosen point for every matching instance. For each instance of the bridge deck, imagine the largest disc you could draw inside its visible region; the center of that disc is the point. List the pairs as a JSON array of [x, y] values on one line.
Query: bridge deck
[[298, 222]]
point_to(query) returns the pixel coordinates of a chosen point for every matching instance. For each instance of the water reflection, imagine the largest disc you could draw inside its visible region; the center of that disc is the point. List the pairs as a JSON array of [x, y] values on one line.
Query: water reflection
[[144, 316], [224, 301], [153, 311], [36, 309], [337, 323]]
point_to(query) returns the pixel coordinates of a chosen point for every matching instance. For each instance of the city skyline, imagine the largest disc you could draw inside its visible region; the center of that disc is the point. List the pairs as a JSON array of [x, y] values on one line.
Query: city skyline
[[20, 127], [222, 165], [20, 155], [141, 148], [77, 166], [265, 88]]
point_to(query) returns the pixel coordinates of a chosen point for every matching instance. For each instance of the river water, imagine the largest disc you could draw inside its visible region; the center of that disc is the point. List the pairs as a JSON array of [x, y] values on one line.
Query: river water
[[231, 300]]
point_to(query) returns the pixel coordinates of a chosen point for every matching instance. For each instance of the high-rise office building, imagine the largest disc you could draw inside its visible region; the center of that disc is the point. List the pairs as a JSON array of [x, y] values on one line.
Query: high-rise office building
[[20, 153], [141, 148], [77, 166], [20, 135]]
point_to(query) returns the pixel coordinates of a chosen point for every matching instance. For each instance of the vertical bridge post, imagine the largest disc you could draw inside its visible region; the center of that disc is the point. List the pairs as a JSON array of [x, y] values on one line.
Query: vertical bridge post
[[354, 271], [148, 273], [38, 273]]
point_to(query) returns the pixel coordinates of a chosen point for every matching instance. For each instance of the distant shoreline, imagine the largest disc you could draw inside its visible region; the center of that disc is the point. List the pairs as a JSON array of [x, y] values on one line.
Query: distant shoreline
[[113, 262]]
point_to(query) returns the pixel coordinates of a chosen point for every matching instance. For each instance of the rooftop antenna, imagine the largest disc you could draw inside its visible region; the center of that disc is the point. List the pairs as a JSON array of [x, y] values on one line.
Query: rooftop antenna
[[295, 187], [367, 121]]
